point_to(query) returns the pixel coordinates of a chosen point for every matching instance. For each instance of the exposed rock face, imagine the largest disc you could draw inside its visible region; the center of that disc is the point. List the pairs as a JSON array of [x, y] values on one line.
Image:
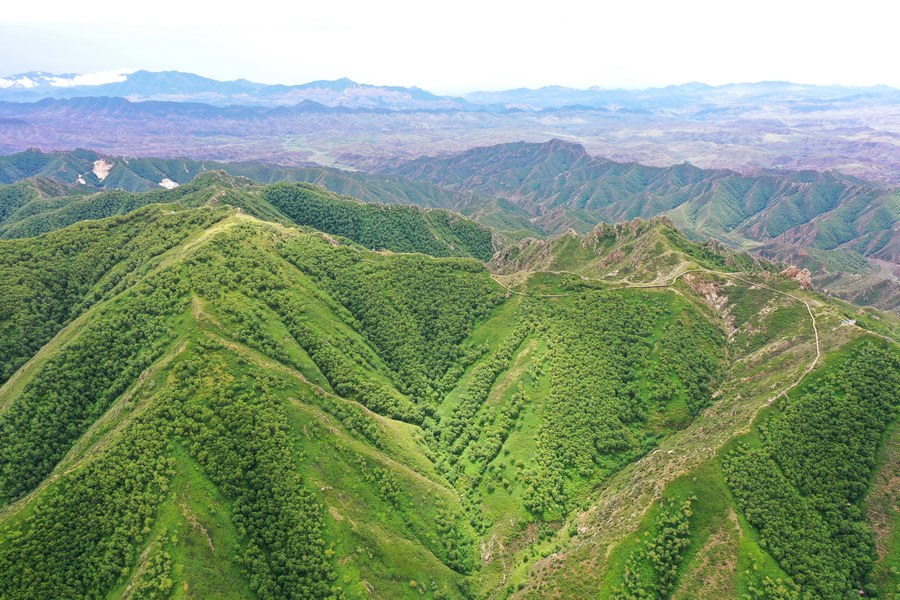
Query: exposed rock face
[[711, 293], [102, 167], [801, 276]]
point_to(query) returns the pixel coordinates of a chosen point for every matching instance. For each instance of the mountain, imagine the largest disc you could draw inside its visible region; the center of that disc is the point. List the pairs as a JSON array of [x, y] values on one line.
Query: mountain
[[840, 228], [202, 399], [89, 171], [26, 212], [85, 172], [742, 127], [636, 251], [188, 87], [842, 223], [689, 98]]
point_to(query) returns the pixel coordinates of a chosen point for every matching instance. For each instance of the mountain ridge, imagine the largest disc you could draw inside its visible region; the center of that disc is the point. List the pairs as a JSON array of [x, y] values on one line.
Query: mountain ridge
[[561, 186], [842, 228]]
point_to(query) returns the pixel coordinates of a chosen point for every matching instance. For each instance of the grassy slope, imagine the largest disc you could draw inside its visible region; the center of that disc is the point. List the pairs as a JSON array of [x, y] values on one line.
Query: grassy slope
[[392, 508]]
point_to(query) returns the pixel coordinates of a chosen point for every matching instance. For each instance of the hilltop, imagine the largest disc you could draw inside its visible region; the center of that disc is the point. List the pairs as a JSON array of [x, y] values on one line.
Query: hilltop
[[827, 222], [26, 211]]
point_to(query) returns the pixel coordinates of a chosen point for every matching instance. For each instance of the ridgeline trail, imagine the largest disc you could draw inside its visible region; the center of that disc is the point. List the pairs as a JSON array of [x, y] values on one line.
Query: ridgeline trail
[[674, 280]]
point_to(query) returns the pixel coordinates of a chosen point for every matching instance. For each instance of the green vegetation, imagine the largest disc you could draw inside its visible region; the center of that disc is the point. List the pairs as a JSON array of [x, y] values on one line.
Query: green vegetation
[[24, 213], [47, 282], [205, 401], [652, 569], [803, 484], [380, 227]]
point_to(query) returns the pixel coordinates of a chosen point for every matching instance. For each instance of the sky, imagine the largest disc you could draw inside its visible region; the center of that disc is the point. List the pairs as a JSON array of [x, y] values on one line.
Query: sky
[[464, 45]]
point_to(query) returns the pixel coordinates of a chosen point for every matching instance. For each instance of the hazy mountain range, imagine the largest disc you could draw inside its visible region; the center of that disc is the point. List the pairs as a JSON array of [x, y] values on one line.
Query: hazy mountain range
[[187, 87], [691, 98], [739, 126]]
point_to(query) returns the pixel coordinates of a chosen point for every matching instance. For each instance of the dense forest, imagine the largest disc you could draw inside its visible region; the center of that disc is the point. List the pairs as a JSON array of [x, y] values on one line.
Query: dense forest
[[223, 391], [26, 211], [802, 484]]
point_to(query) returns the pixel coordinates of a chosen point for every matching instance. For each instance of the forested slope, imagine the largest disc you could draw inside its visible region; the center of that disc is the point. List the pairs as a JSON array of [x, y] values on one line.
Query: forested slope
[[25, 213], [248, 409], [843, 229]]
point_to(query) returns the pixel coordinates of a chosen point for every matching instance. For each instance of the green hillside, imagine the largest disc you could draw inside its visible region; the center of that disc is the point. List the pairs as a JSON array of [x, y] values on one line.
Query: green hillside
[[232, 396], [143, 174], [837, 226], [26, 213]]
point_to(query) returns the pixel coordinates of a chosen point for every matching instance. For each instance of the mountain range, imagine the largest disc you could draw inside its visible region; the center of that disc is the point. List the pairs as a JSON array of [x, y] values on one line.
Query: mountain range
[[188, 87], [691, 98], [844, 230], [234, 390], [742, 127], [826, 222]]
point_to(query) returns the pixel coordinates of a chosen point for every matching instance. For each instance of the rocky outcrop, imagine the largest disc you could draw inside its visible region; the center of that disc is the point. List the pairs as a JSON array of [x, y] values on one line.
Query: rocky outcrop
[[801, 276]]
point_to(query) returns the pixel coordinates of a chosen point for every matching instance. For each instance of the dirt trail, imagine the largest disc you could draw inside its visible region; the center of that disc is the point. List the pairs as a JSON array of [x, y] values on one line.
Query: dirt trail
[[675, 279], [621, 505]]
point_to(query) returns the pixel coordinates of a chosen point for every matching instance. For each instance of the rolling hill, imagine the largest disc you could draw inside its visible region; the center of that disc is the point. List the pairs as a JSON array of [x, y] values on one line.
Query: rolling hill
[[844, 230], [838, 223], [27, 212], [221, 391]]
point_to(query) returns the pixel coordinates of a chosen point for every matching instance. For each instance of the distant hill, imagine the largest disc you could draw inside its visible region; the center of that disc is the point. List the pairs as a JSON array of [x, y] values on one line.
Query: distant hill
[[843, 229], [847, 224], [188, 87], [695, 98], [86, 170], [83, 171]]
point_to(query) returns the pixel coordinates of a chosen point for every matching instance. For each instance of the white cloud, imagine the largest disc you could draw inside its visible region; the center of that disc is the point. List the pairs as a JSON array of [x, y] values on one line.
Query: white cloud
[[98, 78], [22, 82]]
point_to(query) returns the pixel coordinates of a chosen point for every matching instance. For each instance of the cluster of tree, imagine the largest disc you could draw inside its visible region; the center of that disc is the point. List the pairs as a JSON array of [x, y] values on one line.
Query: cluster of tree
[[413, 310], [353, 417], [764, 587], [383, 480], [78, 384], [237, 430], [489, 446], [691, 350], [154, 581], [460, 428], [87, 529], [382, 227], [599, 345], [44, 215], [457, 543], [802, 487], [48, 281], [338, 359], [651, 570], [231, 264]]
